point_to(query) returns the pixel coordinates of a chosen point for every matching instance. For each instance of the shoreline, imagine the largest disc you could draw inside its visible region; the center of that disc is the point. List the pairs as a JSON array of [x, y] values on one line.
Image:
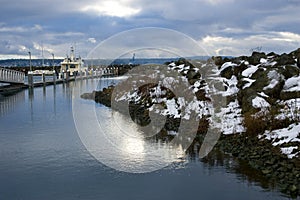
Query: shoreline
[[253, 144], [259, 155]]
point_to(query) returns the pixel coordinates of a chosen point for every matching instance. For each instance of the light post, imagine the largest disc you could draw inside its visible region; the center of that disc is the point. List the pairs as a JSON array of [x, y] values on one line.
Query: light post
[[53, 61], [30, 75], [53, 68], [30, 67]]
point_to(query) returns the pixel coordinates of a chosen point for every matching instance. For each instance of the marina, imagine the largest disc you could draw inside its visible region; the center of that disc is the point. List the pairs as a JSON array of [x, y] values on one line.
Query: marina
[[135, 100], [71, 68]]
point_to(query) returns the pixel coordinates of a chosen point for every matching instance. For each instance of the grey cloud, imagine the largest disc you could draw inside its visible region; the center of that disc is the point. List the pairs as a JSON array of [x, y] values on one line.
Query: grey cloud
[[59, 23], [278, 42]]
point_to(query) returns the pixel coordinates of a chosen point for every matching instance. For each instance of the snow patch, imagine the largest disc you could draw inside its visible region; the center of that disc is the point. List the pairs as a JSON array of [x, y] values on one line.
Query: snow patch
[[262, 94], [290, 110], [263, 60], [274, 76], [172, 133], [172, 109], [288, 151], [292, 84], [227, 64], [250, 81], [172, 64], [231, 119], [259, 102], [249, 71], [231, 86], [285, 135], [245, 62], [196, 86]]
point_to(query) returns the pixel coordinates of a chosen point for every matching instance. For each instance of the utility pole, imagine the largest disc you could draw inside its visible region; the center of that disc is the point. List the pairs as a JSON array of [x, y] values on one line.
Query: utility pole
[[53, 61], [53, 68], [30, 67], [30, 73]]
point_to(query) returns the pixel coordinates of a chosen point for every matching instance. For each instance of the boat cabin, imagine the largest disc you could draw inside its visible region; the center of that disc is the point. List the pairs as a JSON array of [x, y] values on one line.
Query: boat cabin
[[72, 64]]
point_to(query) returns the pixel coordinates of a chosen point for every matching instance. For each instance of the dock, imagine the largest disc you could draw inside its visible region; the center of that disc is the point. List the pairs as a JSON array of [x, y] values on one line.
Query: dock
[[16, 80]]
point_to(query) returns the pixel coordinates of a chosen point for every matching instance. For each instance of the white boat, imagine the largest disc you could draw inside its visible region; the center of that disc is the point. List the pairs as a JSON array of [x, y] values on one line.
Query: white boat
[[72, 64]]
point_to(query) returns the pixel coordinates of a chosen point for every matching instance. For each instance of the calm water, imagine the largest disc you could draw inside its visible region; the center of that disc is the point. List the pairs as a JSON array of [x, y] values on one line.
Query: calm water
[[42, 157]]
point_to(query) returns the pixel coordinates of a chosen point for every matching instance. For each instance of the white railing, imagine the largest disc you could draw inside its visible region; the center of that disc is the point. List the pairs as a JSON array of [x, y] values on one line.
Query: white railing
[[11, 76]]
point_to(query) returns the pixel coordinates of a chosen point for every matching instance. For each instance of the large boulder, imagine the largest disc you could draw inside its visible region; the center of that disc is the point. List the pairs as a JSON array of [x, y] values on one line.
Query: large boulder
[[193, 76], [218, 60], [267, 80], [237, 71], [285, 59], [286, 95], [183, 61], [272, 54], [104, 96], [254, 59], [261, 79], [275, 83], [239, 60], [295, 54], [227, 72], [245, 98], [289, 71]]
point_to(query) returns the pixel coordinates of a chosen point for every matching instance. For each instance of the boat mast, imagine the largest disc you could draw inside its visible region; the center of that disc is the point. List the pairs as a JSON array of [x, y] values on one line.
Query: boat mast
[[72, 56]]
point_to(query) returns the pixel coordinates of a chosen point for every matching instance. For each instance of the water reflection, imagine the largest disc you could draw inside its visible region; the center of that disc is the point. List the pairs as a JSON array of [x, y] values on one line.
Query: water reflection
[[242, 169], [117, 141], [67, 91], [54, 99], [132, 146], [9, 103], [45, 159], [126, 149], [44, 94]]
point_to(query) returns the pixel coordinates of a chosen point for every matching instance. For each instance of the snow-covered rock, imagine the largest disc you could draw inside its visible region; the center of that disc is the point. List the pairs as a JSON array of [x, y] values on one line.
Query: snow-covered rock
[[259, 102], [283, 136], [292, 84], [249, 71], [274, 78]]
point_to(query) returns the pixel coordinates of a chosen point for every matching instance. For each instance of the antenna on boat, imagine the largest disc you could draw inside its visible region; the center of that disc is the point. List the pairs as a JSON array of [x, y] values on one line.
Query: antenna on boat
[[72, 56], [74, 49]]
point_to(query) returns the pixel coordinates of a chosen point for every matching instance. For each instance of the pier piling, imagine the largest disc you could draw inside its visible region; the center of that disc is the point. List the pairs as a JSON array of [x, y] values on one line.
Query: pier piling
[[44, 78], [30, 79]]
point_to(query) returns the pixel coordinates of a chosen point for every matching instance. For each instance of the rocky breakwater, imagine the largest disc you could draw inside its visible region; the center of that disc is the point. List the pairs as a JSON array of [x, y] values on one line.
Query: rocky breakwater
[[267, 89], [103, 97], [259, 121], [157, 100]]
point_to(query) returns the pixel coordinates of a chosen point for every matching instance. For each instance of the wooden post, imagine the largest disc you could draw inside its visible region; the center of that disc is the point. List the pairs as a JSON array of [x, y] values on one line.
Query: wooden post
[[44, 78], [30, 79], [30, 74], [54, 77]]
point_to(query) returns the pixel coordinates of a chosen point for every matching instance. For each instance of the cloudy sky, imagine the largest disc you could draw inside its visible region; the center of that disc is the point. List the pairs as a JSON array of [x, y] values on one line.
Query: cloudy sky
[[223, 27]]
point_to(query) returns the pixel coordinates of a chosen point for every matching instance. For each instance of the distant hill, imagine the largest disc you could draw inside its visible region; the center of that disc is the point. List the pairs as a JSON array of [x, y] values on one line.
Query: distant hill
[[48, 62], [25, 62]]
